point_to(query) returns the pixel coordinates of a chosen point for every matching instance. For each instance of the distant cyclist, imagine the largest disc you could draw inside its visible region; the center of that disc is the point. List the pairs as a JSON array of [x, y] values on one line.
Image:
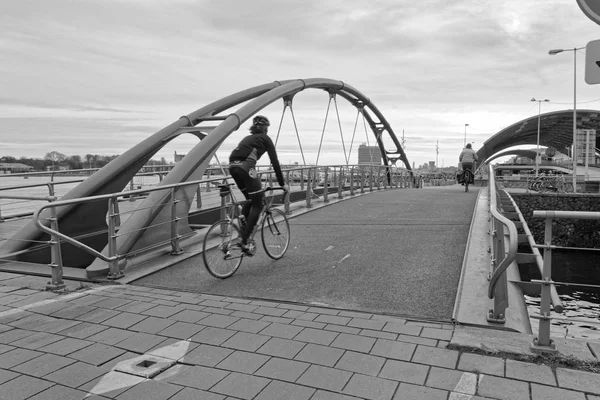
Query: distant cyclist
[[242, 167], [467, 158]]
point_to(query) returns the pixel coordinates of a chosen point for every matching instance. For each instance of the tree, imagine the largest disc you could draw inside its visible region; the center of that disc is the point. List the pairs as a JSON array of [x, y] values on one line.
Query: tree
[[88, 160], [55, 157]]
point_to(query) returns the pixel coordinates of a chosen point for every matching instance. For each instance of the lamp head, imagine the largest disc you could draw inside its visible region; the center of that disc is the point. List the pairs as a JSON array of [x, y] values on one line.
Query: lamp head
[[555, 51], [533, 99]]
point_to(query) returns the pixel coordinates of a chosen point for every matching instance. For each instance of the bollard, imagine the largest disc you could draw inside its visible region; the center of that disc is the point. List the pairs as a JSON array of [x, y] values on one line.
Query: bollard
[[114, 272]]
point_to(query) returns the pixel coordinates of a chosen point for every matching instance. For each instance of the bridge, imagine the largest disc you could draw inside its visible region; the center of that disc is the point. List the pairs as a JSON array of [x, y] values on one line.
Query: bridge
[[370, 238]]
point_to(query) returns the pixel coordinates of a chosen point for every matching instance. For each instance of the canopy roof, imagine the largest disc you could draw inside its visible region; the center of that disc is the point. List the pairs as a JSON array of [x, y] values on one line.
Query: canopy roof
[[556, 130]]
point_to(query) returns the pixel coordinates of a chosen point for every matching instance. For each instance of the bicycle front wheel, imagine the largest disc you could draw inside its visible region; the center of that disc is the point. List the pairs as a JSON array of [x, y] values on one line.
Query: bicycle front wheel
[[275, 233], [221, 255]]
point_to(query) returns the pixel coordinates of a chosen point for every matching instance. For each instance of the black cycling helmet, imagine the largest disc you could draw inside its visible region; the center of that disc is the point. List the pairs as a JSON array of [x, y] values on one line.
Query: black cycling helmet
[[260, 120]]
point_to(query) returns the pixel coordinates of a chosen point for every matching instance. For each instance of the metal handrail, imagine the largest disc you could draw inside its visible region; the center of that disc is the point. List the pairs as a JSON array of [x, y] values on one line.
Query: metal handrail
[[500, 299]]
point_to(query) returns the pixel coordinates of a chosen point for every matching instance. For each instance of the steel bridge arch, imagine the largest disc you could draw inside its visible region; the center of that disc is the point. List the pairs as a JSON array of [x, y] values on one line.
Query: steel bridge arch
[[140, 230]]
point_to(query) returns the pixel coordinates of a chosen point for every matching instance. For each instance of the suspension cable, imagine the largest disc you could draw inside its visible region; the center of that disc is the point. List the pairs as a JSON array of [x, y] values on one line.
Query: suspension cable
[[367, 135], [354, 131], [323, 132], [285, 105], [337, 112], [297, 134]]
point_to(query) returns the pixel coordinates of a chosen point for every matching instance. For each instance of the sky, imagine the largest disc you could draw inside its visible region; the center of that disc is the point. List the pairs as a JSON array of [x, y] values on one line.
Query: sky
[[99, 76]]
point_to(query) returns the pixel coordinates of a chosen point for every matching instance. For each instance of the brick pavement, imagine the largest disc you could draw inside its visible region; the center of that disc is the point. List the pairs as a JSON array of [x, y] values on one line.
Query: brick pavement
[[128, 342]]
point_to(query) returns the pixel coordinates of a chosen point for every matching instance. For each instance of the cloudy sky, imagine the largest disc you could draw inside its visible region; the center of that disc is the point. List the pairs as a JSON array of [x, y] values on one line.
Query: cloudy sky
[[99, 76]]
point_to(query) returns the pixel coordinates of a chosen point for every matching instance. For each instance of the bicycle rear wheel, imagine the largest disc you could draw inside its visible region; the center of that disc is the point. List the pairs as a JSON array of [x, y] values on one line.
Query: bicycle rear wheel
[[275, 235], [222, 260]]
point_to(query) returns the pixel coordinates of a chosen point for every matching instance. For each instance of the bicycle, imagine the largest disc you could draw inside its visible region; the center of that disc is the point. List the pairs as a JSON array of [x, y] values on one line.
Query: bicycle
[[468, 177], [224, 259]]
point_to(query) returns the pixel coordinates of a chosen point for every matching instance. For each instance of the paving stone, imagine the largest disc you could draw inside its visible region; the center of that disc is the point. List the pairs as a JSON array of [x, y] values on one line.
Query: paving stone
[[140, 342], [342, 328], [72, 311], [392, 349], [436, 356], [23, 387], [98, 315], [530, 372], [325, 378], [135, 307], [242, 307], [404, 372], [96, 354], [55, 326], [111, 303], [322, 395], [360, 363], [409, 391], [198, 377], [124, 320], [241, 386], [435, 333], [7, 337], [283, 331], [6, 375], [309, 324], [43, 365], [281, 348], [58, 392], [333, 319], [284, 390], [578, 380], [37, 340], [191, 316], [210, 335], [218, 321], [4, 348], [29, 320], [245, 341], [248, 325], [481, 364], [218, 311], [282, 369], [371, 388], [152, 325], [76, 375], [367, 324], [206, 355], [452, 380], [181, 330], [541, 392], [326, 311], [150, 390], [417, 340], [501, 388], [17, 356], [244, 362], [195, 394], [161, 311], [83, 330], [112, 384], [358, 343], [316, 336], [404, 329], [115, 361], [322, 355], [278, 320], [66, 346], [111, 336], [247, 315]]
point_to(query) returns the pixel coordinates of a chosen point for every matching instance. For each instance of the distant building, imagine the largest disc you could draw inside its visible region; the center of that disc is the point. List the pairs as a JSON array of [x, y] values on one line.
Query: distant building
[[13, 168], [178, 157], [369, 154]]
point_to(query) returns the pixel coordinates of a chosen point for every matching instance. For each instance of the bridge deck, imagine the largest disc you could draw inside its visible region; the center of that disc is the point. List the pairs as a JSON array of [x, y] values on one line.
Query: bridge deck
[[393, 251]]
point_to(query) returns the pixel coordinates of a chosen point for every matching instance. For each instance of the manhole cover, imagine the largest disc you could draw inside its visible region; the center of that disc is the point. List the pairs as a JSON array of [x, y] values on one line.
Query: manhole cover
[[146, 366]]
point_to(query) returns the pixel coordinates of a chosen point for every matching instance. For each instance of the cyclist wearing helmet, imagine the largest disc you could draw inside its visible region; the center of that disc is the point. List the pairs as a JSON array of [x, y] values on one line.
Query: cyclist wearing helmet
[[242, 163]]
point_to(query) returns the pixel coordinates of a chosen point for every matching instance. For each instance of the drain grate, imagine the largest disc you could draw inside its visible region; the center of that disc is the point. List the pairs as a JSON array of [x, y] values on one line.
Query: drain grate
[[146, 366]]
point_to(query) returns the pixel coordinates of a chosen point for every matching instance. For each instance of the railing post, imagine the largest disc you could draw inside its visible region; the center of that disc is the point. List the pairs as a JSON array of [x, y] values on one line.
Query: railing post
[[498, 313], [378, 177], [199, 197], [543, 342], [175, 238], [326, 186], [352, 181], [56, 263], [131, 188], [340, 183], [308, 190], [362, 179], [371, 178], [302, 179], [286, 196], [114, 272]]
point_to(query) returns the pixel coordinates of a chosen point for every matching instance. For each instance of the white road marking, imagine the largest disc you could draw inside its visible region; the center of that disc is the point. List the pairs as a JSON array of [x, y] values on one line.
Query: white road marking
[[467, 383], [329, 248], [339, 262], [67, 297]]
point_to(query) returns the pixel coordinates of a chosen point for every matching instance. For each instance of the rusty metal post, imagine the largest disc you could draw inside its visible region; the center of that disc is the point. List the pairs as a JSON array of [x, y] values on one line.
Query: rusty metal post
[[175, 237], [286, 196], [56, 263], [199, 197]]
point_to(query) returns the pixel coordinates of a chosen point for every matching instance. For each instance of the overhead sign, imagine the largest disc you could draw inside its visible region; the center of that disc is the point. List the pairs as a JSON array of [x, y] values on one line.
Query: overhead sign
[[592, 62], [591, 8]]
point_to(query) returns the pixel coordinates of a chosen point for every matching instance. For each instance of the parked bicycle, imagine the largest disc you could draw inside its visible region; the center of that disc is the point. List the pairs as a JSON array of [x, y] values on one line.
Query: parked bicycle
[[551, 183], [221, 249]]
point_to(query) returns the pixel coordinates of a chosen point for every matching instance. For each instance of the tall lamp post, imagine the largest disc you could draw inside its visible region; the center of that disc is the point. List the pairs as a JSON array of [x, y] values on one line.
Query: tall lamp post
[[465, 141], [574, 152], [537, 152]]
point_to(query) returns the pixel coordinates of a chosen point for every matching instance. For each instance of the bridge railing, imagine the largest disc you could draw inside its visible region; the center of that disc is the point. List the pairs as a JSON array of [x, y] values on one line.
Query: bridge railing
[[335, 180], [503, 249], [543, 342]]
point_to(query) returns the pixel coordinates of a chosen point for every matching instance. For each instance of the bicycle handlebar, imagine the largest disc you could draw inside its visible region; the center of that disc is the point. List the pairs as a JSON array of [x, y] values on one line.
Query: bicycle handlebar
[[269, 188]]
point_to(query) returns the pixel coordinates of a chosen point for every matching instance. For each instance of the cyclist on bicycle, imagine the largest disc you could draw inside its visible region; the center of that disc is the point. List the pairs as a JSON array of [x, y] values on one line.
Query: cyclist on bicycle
[[467, 158], [242, 163]]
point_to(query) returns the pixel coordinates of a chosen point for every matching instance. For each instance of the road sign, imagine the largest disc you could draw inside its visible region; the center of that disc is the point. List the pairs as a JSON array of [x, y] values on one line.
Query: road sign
[[592, 62], [591, 8]]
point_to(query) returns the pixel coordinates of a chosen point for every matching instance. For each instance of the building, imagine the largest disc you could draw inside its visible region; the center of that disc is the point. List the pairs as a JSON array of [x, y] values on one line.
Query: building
[[178, 157], [13, 168], [369, 155]]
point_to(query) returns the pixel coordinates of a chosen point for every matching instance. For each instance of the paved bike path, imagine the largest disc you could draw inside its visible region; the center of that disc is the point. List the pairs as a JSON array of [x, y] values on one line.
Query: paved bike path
[[392, 251]]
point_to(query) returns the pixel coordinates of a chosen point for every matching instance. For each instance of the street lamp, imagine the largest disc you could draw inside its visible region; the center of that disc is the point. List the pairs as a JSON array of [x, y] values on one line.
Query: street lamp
[[537, 152], [574, 152], [465, 141]]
